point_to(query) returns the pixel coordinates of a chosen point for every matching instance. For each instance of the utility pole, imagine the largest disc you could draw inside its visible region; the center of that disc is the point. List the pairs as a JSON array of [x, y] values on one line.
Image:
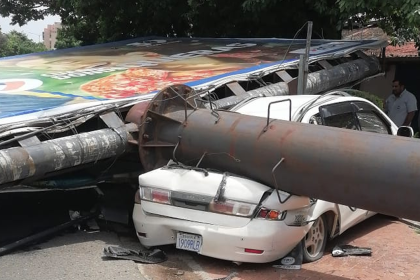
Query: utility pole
[[304, 62]]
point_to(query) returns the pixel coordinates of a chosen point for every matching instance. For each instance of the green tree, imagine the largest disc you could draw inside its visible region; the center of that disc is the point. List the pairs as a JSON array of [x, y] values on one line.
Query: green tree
[[24, 11], [398, 18], [66, 39], [16, 43], [3, 41], [94, 21]]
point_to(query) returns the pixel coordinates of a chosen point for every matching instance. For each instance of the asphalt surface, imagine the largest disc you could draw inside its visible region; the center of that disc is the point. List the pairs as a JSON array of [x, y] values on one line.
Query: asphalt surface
[[76, 256], [72, 253], [77, 252]]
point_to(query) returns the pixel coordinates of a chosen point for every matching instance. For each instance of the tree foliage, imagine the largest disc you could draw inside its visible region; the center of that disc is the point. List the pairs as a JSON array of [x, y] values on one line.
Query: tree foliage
[[16, 43], [93, 21], [25, 10], [66, 39], [398, 18]]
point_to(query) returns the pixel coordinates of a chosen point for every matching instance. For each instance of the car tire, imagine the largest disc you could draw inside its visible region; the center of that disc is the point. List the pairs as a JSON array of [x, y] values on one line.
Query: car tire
[[315, 240]]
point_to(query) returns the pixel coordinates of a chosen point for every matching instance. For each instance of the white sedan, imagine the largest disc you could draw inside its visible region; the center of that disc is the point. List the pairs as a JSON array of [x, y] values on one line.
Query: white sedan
[[233, 218]]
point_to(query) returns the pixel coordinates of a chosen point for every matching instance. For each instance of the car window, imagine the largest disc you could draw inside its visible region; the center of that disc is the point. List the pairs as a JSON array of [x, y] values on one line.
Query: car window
[[369, 121], [356, 115], [345, 120]]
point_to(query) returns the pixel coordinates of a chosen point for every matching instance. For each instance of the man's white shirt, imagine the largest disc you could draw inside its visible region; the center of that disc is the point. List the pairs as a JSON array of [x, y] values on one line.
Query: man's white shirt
[[397, 108]]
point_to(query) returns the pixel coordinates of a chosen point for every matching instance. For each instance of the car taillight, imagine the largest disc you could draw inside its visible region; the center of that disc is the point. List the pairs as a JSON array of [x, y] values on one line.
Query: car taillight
[[155, 195], [137, 198], [273, 215], [231, 207], [253, 251]]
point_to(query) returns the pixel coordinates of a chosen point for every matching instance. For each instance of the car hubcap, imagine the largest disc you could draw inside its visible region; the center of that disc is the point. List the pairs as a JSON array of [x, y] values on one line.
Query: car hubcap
[[315, 238]]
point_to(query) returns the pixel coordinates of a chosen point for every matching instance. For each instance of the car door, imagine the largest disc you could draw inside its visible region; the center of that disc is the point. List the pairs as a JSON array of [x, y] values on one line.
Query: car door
[[355, 115], [370, 119]]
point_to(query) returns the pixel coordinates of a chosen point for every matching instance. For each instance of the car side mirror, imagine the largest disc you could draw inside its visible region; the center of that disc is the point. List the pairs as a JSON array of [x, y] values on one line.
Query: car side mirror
[[405, 131]]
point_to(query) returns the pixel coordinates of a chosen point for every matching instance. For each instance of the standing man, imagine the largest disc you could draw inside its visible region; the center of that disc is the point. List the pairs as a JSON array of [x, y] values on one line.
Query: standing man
[[401, 105]]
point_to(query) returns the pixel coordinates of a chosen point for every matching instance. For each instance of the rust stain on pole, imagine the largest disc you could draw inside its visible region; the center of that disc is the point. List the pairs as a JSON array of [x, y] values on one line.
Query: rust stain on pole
[[23, 162], [366, 170]]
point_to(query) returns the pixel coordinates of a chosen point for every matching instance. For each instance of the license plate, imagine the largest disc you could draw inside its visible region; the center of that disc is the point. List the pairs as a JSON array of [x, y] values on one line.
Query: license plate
[[189, 242]]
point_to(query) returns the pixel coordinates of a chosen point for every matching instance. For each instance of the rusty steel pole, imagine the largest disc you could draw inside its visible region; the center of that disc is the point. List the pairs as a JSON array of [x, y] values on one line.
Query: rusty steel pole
[[366, 170], [19, 163]]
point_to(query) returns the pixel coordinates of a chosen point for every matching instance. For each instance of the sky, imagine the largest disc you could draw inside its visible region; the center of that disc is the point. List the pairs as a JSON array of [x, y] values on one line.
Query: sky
[[33, 29]]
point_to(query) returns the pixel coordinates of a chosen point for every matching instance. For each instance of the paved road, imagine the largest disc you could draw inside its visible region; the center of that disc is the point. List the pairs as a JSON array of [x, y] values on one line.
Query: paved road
[[396, 254], [77, 255], [73, 254]]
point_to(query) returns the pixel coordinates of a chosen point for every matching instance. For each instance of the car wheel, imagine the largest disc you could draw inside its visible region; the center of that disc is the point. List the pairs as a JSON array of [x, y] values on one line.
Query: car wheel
[[315, 240]]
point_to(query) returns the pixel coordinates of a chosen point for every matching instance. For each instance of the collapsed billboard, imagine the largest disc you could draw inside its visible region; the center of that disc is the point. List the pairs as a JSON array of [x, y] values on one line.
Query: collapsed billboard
[[143, 66]]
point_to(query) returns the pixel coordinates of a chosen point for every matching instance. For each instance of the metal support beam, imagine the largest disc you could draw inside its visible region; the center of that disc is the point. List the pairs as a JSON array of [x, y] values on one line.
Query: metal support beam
[[317, 82], [280, 88], [301, 76], [341, 75], [304, 61], [235, 88], [284, 76], [371, 171], [36, 160]]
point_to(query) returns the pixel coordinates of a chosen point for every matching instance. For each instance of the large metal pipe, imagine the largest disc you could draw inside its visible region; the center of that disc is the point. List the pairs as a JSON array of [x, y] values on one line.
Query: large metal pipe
[[276, 89], [23, 162], [341, 75], [317, 82], [365, 170]]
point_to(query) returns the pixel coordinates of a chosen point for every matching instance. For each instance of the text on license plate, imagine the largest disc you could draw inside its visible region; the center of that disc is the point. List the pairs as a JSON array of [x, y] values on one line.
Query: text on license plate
[[189, 242]]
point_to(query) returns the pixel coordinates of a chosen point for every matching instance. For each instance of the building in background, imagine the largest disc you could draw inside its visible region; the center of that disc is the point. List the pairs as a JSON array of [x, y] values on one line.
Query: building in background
[[50, 35]]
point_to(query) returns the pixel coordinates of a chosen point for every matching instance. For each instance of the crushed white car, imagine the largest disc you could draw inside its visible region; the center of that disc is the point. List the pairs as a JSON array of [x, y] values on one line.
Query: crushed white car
[[229, 217]]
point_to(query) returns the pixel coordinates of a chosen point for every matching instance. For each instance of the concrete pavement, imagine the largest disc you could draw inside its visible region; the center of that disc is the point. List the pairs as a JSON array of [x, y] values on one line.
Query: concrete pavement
[[72, 256], [77, 256], [395, 246]]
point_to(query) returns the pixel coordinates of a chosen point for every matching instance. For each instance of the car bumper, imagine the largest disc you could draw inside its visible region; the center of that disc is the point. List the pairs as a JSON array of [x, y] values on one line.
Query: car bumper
[[275, 238]]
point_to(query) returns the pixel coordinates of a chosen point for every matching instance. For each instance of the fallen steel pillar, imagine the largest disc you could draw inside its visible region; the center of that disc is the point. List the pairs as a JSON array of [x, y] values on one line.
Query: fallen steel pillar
[[18, 163], [365, 170], [317, 82], [342, 74], [276, 89]]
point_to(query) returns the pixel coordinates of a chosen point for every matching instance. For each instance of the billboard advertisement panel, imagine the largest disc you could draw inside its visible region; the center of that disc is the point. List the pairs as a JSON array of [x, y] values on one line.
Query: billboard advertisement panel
[[41, 81]]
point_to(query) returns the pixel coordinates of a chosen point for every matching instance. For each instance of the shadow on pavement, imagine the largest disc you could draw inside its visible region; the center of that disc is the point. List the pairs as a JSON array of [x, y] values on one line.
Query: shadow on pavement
[[25, 214], [30, 219], [193, 267], [30, 216], [323, 269], [370, 225]]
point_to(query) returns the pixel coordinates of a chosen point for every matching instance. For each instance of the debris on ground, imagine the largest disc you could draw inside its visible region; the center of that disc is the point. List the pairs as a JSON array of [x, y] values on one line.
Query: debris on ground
[[88, 225], [229, 277], [143, 256], [349, 250], [179, 273], [411, 223]]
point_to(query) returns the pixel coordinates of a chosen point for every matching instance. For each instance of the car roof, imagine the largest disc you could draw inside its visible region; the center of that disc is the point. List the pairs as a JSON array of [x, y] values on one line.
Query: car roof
[[259, 106]]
